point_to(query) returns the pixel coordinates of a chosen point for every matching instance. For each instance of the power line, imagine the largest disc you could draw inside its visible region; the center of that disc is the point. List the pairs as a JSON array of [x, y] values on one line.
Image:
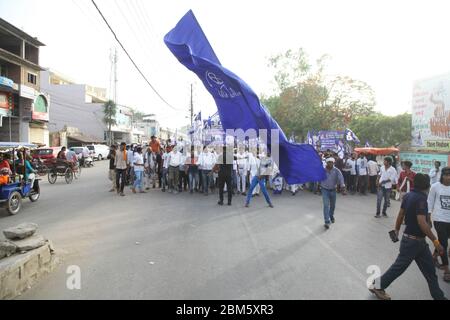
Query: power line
[[131, 59]]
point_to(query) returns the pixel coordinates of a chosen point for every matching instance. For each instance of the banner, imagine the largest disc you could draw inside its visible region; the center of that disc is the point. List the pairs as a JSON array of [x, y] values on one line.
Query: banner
[[237, 104], [423, 162], [431, 113], [329, 140]]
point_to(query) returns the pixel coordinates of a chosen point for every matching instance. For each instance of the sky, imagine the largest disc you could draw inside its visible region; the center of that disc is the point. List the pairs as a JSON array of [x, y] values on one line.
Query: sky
[[388, 44]]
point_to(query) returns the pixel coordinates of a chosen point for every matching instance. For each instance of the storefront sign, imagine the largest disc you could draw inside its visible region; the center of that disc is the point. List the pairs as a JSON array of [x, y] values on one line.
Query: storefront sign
[[6, 100], [27, 92], [6, 82]]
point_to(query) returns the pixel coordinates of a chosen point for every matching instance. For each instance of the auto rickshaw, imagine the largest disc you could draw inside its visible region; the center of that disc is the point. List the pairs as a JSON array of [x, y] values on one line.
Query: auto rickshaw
[[16, 188]]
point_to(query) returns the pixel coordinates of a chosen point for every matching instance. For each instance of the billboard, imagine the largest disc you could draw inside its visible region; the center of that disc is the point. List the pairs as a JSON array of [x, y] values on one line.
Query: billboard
[[422, 162], [431, 113]]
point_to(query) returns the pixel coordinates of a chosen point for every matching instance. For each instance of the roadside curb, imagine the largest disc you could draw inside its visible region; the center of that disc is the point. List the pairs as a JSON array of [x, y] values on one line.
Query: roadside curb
[[20, 272]]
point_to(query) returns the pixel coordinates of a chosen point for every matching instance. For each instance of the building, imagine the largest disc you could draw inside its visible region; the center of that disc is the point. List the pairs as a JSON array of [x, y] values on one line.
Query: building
[[123, 130], [24, 109], [149, 127], [74, 105]]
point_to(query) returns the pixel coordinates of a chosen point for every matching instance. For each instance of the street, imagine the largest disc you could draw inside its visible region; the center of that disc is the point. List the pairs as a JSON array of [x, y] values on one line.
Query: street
[[165, 246]]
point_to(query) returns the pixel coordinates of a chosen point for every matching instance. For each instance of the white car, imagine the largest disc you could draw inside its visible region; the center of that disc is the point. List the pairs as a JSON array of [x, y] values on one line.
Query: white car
[[100, 151]]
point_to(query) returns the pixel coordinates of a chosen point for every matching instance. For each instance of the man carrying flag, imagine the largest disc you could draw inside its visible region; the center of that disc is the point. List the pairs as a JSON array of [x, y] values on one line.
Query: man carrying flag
[[238, 106]]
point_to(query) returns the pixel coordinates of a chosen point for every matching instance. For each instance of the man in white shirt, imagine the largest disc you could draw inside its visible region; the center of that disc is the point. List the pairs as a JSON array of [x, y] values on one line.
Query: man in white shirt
[[435, 173], [353, 174], [165, 171], [242, 163], [138, 165], [387, 177], [372, 167], [207, 161], [175, 159], [439, 207], [361, 163], [253, 168], [346, 169]]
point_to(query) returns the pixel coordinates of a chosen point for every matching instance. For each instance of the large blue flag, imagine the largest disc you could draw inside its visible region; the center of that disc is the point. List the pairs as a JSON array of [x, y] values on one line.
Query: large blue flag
[[237, 104]]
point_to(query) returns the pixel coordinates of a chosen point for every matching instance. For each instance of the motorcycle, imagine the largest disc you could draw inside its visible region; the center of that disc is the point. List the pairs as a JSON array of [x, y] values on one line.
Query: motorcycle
[[86, 162], [40, 167]]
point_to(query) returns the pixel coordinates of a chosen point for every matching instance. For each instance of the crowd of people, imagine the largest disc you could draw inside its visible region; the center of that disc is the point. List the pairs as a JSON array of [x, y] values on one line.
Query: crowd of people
[[204, 170], [248, 171]]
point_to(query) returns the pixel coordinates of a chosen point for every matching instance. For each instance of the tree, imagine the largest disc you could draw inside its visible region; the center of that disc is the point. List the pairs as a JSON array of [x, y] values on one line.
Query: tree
[[306, 98], [109, 110], [381, 130]]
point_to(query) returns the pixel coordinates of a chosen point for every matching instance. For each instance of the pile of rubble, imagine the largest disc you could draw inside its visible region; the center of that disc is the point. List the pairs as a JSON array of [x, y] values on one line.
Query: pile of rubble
[[21, 239]]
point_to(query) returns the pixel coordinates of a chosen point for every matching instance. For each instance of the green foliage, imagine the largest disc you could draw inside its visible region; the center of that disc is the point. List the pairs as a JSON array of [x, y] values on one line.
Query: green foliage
[[109, 114], [307, 99], [381, 130]]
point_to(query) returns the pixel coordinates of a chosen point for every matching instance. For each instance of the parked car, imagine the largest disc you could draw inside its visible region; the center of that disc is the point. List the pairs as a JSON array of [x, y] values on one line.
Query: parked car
[[46, 154], [100, 151], [81, 151]]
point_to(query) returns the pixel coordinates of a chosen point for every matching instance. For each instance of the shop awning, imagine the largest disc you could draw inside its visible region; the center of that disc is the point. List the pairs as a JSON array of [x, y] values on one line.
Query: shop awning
[[377, 151]]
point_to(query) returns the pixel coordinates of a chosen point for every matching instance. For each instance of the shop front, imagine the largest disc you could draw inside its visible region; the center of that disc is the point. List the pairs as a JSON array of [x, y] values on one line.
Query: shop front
[[9, 122], [39, 133]]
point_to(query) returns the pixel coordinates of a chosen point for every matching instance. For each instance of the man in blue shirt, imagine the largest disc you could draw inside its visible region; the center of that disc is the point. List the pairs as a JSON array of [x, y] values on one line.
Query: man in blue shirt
[[413, 246], [328, 187]]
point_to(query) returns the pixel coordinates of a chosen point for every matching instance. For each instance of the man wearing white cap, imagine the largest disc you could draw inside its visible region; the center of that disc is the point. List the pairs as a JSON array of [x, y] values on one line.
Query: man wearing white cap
[[328, 186]]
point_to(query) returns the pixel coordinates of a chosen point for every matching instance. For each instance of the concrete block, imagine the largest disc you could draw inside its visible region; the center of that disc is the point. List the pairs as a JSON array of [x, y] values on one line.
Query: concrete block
[[21, 271], [31, 267], [45, 257]]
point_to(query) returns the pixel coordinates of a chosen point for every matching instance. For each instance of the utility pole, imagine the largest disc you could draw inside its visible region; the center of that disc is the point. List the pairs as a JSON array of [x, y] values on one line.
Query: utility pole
[[192, 108], [115, 75], [113, 58]]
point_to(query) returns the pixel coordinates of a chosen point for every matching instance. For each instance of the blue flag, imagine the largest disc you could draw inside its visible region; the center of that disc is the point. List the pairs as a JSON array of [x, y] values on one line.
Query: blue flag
[[237, 104], [198, 117], [351, 136]]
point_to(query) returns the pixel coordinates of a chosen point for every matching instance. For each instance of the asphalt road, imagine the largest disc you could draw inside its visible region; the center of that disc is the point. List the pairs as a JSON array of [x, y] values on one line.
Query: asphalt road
[[164, 246]]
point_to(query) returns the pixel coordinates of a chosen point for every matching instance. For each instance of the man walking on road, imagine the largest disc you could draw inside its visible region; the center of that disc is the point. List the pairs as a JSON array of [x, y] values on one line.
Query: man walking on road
[[112, 168], [121, 163], [224, 167], [334, 177], [413, 246], [265, 171], [387, 178], [361, 163], [175, 159], [372, 168]]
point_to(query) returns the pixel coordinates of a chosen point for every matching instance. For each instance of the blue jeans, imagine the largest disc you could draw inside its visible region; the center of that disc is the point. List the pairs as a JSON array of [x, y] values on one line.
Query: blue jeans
[[414, 250], [329, 204], [138, 182], [193, 180], [262, 185], [383, 193], [164, 178], [206, 180], [235, 179]]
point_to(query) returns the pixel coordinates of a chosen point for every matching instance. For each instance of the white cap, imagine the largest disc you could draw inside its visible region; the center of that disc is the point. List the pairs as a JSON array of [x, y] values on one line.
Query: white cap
[[330, 160]]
